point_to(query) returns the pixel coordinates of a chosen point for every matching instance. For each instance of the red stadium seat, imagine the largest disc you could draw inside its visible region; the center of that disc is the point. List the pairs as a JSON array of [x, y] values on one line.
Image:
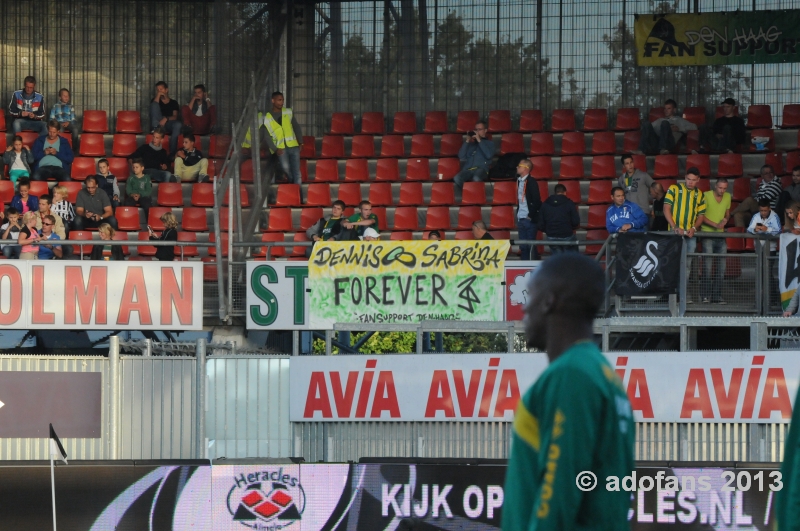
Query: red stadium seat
[[372, 123], [544, 191], [791, 117], [563, 120], [542, 144], [39, 188], [95, 122], [437, 218], [418, 170], [735, 245], [194, 219], [28, 138], [202, 195], [405, 123], [2, 121], [381, 213], [387, 170], [450, 144], [628, 119], [466, 215], [666, 166], [741, 189], [405, 218], [730, 165], [604, 143], [542, 168], [66, 136], [223, 243], [308, 149], [356, 170], [692, 141], [129, 122], [595, 120], [531, 121], [128, 218], [210, 273], [278, 220], [499, 121], [719, 112], [597, 216], [776, 161], [170, 195], [473, 194], [435, 122], [704, 185], [393, 146], [422, 146], [82, 167], [603, 167], [443, 194], [299, 250], [466, 121], [404, 235], [655, 113], [696, 115], [308, 217], [332, 147], [571, 168], [595, 235], [242, 195], [154, 217], [274, 251], [630, 141], [342, 123], [759, 117], [187, 250], [288, 195], [504, 193], [573, 191], [573, 143], [501, 217], [363, 147], [447, 168], [119, 168], [145, 250], [411, 194], [700, 161], [512, 143], [764, 133], [92, 145], [6, 191], [380, 194], [462, 235], [319, 194], [73, 188], [81, 235], [124, 145], [218, 146], [599, 192], [640, 162], [327, 170], [792, 160]]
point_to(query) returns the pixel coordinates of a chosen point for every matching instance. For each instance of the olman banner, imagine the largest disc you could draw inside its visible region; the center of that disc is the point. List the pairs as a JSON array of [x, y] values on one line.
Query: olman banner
[[717, 38], [405, 282]]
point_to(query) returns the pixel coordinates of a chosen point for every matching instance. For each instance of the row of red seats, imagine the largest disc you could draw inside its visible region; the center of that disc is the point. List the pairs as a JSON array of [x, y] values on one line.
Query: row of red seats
[[143, 250], [191, 218], [96, 121]]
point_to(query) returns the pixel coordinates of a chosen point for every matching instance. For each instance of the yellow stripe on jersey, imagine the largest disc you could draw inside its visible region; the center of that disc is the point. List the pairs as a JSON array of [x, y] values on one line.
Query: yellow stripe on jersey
[[527, 426], [686, 205]]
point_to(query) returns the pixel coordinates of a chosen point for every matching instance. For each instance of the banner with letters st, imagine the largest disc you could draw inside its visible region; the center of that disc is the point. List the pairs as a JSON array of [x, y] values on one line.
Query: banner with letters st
[[648, 264], [788, 267]]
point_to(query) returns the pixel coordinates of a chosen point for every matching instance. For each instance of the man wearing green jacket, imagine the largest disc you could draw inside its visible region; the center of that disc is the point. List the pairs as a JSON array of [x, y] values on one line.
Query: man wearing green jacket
[[575, 424], [787, 504]]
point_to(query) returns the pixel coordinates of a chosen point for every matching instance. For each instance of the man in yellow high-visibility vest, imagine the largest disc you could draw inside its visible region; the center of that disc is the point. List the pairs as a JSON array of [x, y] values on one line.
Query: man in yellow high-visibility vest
[[284, 137]]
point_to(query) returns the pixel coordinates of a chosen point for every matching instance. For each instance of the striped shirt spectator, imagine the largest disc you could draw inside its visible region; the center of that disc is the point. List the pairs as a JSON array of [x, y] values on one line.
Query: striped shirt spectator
[[686, 205], [769, 189]]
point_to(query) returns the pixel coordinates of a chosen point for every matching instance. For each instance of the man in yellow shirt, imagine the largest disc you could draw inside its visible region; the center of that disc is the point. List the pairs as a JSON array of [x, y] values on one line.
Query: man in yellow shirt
[[718, 211], [284, 137]]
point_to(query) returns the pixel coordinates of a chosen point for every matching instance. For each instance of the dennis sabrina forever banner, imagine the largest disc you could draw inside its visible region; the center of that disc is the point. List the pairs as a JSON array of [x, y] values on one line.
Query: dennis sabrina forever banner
[[717, 38], [405, 282]]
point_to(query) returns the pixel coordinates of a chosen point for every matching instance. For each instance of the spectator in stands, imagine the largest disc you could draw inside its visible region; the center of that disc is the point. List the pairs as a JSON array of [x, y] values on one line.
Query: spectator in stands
[[475, 156], [53, 155], [360, 221], [766, 222], [63, 112], [331, 228], [164, 113], [189, 162], [790, 214], [22, 200], [718, 212], [107, 233], [108, 182], [139, 188], [528, 204], [727, 133], [48, 251], [370, 235], [200, 114], [636, 183], [169, 234], [10, 230], [19, 160], [284, 137], [93, 207], [155, 158], [665, 133], [44, 210], [62, 207], [684, 208], [28, 238], [27, 109], [479, 231], [658, 221], [623, 215], [434, 235], [558, 219], [769, 188]]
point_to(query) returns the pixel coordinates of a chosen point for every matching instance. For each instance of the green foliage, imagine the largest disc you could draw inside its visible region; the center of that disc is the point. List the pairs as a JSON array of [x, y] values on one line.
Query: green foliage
[[406, 342]]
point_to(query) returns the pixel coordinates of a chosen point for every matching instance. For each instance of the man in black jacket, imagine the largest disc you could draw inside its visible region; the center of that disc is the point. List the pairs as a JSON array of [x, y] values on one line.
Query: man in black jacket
[[728, 131], [528, 203], [558, 218], [155, 158]]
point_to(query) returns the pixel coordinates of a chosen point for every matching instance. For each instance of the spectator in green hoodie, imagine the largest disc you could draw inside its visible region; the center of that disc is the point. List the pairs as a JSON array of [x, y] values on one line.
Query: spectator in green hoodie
[[139, 188]]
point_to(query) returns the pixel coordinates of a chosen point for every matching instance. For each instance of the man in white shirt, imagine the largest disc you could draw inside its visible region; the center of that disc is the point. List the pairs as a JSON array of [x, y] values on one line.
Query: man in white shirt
[[663, 134], [766, 222]]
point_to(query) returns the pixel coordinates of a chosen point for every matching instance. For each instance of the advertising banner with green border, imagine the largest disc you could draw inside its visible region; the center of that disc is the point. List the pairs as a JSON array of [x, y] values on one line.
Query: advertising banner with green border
[[405, 281], [741, 37]]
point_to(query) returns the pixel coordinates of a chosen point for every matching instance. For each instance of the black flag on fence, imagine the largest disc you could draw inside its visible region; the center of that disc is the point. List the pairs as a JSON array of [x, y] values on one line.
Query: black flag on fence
[[648, 264]]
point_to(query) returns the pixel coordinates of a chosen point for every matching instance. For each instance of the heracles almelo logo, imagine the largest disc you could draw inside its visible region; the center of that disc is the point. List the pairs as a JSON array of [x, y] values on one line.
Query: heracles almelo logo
[[645, 269], [267, 500]]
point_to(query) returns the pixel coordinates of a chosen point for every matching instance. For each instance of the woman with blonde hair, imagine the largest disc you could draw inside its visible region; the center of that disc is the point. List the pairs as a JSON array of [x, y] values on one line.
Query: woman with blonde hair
[[29, 237], [166, 253], [107, 233]]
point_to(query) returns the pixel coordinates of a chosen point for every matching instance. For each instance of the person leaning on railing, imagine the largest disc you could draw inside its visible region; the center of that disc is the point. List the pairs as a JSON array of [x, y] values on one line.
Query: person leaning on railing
[[166, 253], [106, 251]]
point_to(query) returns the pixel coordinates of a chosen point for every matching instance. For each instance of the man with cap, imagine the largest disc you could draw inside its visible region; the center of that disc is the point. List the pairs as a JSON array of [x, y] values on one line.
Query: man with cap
[[728, 130], [370, 235]]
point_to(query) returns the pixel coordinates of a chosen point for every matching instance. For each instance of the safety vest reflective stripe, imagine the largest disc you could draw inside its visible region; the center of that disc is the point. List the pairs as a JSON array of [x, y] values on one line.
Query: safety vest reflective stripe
[[282, 135]]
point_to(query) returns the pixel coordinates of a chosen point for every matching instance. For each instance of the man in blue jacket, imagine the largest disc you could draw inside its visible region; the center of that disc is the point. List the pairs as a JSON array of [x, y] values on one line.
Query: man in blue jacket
[[27, 108], [475, 156], [53, 155], [624, 216]]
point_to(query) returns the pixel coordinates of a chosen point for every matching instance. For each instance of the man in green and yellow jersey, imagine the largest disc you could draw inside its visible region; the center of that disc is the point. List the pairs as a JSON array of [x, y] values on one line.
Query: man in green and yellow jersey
[[358, 222], [717, 214], [575, 424], [684, 208]]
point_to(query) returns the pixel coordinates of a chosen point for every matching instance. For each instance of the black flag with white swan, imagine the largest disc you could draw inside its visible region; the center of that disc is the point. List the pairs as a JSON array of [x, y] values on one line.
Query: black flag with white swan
[[648, 264]]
